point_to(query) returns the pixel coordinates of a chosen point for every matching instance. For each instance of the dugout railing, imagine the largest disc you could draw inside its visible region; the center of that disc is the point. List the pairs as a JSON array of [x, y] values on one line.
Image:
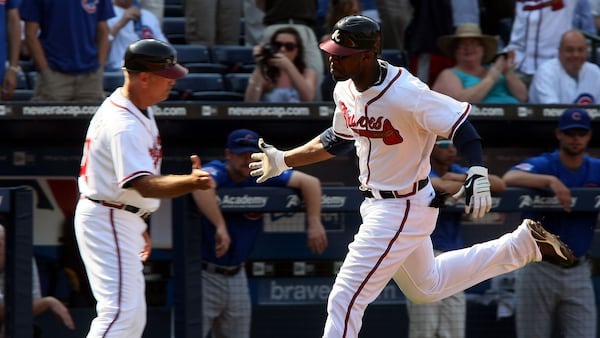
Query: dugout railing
[[285, 278]]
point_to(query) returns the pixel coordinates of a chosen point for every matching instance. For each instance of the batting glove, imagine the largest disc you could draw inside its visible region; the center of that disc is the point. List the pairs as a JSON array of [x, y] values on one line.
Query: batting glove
[[269, 163], [476, 191]]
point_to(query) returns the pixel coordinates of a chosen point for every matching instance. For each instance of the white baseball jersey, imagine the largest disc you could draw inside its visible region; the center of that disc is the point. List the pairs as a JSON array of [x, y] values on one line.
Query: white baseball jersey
[[400, 122], [551, 84], [121, 144], [536, 31], [394, 127]]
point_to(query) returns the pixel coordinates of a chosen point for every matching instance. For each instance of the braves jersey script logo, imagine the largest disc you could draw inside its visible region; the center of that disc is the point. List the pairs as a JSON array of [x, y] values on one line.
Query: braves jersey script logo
[[156, 152], [89, 5], [372, 127]]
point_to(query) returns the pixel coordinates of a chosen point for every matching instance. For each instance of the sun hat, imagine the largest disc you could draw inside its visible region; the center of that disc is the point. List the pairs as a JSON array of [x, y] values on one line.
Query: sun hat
[[447, 43]]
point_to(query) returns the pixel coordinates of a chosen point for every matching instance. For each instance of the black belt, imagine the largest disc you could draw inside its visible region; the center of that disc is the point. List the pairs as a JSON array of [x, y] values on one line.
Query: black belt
[[222, 270], [291, 21], [121, 206], [395, 194]]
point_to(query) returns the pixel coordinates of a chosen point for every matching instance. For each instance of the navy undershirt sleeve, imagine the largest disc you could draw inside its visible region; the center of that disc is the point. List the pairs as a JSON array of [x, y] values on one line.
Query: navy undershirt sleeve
[[468, 142], [335, 145]]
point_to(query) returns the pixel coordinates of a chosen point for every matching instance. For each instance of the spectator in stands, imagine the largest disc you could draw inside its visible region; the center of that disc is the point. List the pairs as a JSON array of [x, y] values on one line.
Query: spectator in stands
[[583, 19], [300, 15], [447, 317], [395, 16], [228, 238], [10, 47], [253, 23], [281, 74], [338, 9], [547, 292], [40, 304], [213, 22], [477, 76], [129, 24], [157, 7], [568, 78], [71, 48], [536, 31], [425, 59]]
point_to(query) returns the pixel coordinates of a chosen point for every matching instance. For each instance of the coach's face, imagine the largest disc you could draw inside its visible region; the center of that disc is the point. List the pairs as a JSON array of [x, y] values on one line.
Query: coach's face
[[572, 52], [159, 87]]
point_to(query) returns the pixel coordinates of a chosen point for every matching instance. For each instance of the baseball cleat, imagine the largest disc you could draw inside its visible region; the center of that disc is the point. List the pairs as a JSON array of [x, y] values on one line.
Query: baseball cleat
[[552, 248]]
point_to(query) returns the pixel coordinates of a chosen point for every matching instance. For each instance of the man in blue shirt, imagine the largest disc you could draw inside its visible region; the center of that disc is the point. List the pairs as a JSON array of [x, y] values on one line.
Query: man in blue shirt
[[545, 292], [69, 44], [10, 45], [228, 238]]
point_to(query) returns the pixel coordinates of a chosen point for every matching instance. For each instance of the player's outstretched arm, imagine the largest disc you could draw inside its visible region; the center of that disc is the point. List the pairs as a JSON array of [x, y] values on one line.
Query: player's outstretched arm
[[272, 161], [169, 186]]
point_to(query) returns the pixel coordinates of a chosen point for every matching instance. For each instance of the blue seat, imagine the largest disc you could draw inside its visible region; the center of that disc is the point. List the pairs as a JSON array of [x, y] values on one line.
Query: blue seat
[[112, 81], [174, 29], [196, 82], [192, 53], [395, 57], [22, 95], [197, 59], [237, 58], [236, 82], [217, 96]]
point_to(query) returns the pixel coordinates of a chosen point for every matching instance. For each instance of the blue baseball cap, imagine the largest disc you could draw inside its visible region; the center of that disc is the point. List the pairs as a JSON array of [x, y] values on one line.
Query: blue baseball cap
[[242, 141], [574, 118]]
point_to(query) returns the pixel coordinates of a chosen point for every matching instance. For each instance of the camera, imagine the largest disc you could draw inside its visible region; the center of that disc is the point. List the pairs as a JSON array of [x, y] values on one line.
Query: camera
[[268, 51]]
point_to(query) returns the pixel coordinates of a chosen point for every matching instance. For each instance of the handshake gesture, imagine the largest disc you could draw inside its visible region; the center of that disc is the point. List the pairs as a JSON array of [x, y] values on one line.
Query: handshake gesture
[[476, 191], [269, 163]]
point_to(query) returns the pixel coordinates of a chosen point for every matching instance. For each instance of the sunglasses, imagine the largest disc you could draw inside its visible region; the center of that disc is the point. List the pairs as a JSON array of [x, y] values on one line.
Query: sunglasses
[[575, 132], [289, 46], [444, 144]]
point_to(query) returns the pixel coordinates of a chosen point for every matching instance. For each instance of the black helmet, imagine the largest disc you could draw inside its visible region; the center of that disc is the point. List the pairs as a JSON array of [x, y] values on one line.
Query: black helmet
[[153, 56], [353, 34]]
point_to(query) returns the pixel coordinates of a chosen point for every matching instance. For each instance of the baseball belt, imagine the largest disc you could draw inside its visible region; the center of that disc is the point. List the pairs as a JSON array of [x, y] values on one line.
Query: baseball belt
[[222, 270], [135, 210], [369, 193]]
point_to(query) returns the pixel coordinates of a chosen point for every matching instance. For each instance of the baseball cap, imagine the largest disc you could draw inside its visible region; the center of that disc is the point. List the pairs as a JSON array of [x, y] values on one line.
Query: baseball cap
[[153, 56], [574, 118], [242, 141]]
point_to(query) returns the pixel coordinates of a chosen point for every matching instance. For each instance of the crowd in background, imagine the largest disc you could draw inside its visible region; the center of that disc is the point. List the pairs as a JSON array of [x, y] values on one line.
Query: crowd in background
[[425, 32]]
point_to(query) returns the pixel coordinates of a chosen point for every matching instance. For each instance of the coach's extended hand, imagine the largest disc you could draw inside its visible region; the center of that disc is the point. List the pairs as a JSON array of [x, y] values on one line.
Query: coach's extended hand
[[476, 191], [269, 163]]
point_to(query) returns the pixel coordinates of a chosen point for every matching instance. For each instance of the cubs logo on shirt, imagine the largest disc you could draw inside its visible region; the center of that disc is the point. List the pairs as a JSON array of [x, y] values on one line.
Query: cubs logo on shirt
[[585, 98]]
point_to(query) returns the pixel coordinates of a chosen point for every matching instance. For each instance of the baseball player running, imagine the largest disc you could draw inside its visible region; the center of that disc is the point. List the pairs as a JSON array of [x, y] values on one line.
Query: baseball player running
[[120, 185], [393, 119]]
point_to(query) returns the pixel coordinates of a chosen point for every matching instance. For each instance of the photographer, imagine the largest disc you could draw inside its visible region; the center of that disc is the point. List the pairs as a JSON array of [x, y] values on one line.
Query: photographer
[[281, 74]]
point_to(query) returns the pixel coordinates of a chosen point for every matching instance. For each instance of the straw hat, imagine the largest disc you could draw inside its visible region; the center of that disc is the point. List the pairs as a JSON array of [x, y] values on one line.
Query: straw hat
[[447, 43]]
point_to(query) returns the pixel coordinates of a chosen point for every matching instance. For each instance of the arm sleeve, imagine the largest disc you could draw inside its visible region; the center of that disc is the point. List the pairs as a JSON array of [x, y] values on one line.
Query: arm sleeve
[[468, 143], [334, 144]]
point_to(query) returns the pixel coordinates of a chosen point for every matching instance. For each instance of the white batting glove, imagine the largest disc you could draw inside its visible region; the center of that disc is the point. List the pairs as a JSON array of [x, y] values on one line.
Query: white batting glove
[[476, 191], [269, 163]]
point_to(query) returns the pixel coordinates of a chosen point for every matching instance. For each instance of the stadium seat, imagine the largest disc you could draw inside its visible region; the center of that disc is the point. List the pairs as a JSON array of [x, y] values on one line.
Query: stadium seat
[[173, 10], [22, 82], [217, 96], [237, 58], [395, 57], [197, 59], [31, 77], [112, 81], [196, 82], [22, 95], [236, 82], [174, 29]]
